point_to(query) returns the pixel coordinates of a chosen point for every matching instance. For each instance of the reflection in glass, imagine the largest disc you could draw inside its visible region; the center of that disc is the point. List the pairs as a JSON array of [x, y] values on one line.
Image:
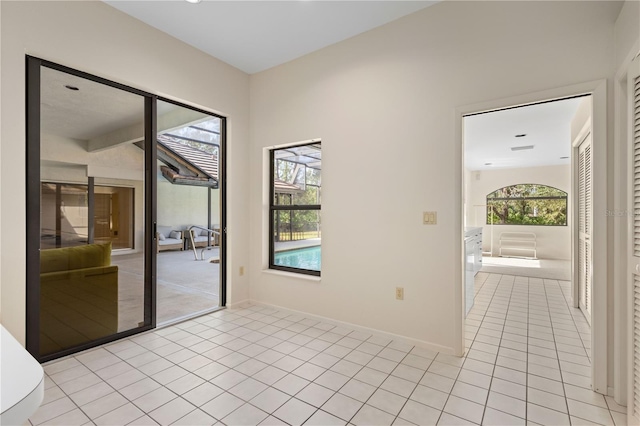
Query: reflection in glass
[[114, 216], [92, 217], [65, 215]]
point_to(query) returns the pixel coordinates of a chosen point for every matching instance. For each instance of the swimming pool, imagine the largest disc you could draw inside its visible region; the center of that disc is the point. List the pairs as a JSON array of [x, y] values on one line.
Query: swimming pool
[[303, 258]]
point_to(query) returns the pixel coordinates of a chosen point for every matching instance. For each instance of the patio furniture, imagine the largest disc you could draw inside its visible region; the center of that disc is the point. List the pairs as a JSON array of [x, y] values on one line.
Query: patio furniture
[[169, 239]]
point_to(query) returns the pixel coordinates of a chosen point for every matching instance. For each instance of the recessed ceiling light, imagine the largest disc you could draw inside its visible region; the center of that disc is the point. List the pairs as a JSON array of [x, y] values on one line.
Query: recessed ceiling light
[[521, 148], [70, 87], [521, 135], [194, 1]]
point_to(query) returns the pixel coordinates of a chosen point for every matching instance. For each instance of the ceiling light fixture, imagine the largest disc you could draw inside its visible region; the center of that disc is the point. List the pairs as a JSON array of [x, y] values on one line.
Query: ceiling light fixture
[[70, 87], [194, 1], [521, 135], [521, 148]]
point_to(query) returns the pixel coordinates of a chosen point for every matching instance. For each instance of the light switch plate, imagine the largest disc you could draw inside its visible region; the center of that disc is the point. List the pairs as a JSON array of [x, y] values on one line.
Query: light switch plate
[[429, 218]]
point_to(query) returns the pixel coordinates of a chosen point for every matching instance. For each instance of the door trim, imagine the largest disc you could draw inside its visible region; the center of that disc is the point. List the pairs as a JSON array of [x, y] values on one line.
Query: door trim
[[599, 331]]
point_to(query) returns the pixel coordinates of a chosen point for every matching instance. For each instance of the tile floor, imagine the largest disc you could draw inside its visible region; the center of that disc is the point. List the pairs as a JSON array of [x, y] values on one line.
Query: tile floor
[[528, 362]]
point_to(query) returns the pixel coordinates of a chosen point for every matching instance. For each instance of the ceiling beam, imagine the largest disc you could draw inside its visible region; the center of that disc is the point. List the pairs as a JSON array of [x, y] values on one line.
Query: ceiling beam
[[172, 120]]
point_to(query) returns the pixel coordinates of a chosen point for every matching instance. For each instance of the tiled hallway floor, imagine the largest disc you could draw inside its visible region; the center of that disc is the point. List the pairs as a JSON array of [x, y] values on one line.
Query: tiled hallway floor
[[528, 363]]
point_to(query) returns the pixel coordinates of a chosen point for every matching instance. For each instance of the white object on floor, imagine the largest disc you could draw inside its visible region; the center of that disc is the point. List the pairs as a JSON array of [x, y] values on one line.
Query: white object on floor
[[517, 244], [554, 269], [22, 382]]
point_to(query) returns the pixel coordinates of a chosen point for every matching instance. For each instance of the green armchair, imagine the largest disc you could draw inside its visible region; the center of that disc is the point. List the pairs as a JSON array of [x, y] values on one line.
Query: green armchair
[[78, 296]]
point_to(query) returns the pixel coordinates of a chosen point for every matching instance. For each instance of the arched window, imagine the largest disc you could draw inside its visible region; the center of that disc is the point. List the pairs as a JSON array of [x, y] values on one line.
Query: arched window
[[527, 204]]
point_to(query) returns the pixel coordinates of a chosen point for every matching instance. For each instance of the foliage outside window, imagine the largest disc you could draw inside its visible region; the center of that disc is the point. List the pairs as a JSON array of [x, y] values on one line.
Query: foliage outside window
[[527, 204], [295, 224]]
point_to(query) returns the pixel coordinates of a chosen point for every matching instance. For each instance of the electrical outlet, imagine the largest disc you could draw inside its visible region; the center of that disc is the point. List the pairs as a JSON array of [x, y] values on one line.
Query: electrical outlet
[[400, 293], [241, 271]]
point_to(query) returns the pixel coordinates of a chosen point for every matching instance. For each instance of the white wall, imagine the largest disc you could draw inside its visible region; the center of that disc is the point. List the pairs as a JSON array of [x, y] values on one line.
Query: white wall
[[553, 242], [96, 38], [181, 206], [384, 104]]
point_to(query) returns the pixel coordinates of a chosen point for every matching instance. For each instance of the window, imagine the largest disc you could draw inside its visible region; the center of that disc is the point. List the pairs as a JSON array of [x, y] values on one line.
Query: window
[[527, 204], [295, 225]]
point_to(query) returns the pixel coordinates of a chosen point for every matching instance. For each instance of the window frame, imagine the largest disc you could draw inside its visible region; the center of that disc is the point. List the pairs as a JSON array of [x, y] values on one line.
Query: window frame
[[565, 198], [273, 208]]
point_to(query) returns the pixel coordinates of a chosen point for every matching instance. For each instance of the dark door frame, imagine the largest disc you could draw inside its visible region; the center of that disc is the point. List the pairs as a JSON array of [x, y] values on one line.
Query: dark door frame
[[33, 128]]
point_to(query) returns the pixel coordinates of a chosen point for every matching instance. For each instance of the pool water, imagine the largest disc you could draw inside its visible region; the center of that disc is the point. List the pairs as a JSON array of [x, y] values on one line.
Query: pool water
[[304, 258]]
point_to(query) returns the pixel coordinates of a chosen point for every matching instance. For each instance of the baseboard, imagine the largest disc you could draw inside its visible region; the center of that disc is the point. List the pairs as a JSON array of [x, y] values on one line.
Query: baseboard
[[393, 336]]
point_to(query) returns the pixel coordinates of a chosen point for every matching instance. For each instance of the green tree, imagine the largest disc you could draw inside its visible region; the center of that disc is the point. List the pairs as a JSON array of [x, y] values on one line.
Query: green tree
[[527, 204]]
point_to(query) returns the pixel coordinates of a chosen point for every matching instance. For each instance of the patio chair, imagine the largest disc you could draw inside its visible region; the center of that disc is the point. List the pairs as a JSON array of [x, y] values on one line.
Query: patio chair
[[169, 239]]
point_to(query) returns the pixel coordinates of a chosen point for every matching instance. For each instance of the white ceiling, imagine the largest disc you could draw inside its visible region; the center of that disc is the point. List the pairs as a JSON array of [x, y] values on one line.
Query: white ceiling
[[489, 137], [257, 35], [91, 111]]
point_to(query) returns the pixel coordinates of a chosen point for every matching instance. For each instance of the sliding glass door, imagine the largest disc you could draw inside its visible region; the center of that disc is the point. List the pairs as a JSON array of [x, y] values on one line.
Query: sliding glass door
[[125, 210], [89, 265]]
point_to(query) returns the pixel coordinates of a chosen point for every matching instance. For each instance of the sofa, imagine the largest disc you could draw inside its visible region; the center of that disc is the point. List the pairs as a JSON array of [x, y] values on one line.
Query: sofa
[[78, 296], [200, 236], [168, 238]]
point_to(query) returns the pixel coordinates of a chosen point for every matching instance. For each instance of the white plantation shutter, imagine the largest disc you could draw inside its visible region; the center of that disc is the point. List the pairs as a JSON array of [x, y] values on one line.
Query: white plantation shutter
[[587, 280], [636, 166], [581, 192], [633, 83], [636, 346], [587, 189], [587, 225], [584, 226]]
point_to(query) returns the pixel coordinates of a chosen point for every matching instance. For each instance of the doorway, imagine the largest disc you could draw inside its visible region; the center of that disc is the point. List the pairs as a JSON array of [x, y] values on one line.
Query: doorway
[[518, 186], [523, 194]]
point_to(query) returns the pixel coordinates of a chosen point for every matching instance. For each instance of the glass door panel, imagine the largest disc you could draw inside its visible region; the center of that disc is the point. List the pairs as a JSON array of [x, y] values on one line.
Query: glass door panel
[[92, 198], [189, 212]]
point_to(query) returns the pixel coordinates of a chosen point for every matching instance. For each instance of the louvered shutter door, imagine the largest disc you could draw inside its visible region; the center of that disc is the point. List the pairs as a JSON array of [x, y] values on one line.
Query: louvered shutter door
[[636, 346], [634, 259], [584, 227], [587, 228], [636, 167], [581, 229]]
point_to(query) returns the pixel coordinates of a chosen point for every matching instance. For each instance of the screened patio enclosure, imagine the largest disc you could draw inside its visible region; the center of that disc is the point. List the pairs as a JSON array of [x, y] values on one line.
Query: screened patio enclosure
[[188, 152], [296, 197]]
